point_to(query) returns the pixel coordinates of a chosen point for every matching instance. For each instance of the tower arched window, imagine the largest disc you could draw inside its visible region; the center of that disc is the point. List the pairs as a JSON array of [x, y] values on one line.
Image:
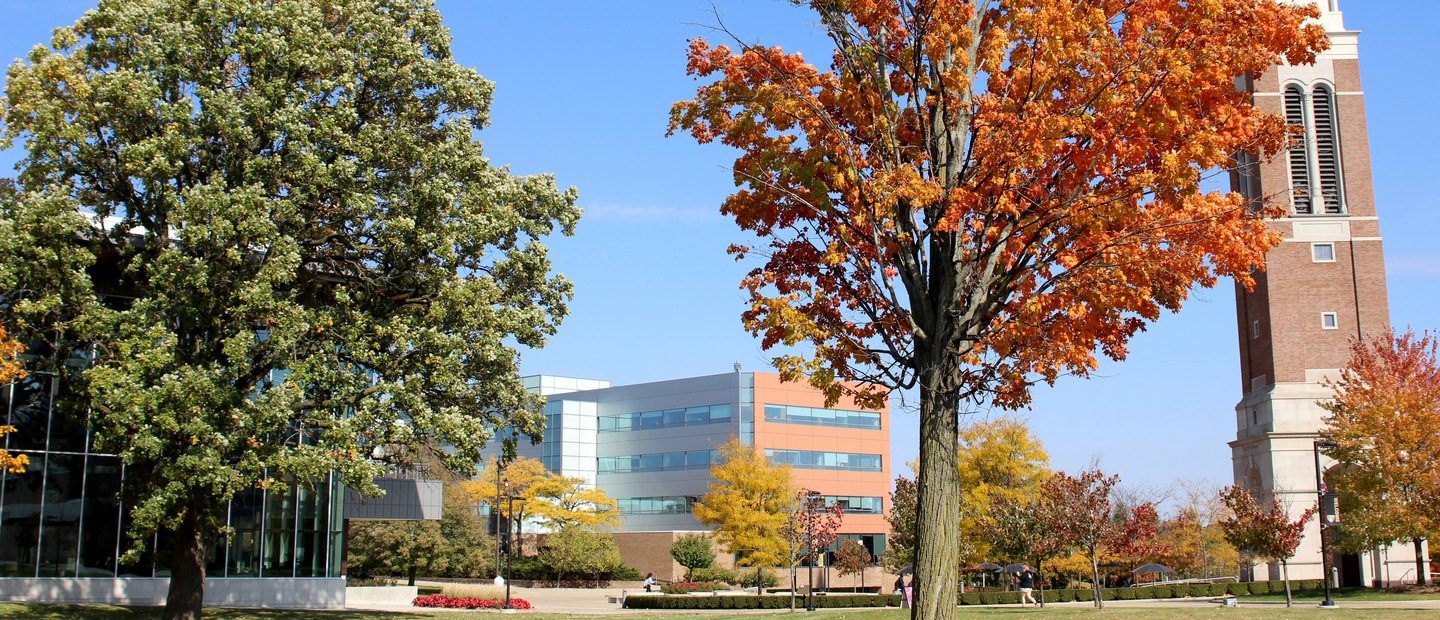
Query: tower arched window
[[1299, 151], [1316, 183], [1327, 150]]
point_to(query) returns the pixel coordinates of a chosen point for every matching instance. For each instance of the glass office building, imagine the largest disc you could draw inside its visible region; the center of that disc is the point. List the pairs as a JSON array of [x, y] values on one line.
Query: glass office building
[[63, 525]]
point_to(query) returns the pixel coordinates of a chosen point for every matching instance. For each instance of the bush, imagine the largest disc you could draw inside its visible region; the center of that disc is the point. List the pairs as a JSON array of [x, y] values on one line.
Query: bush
[[746, 577], [757, 602], [715, 573], [1309, 584], [1085, 594], [1237, 589], [1218, 589], [970, 598]]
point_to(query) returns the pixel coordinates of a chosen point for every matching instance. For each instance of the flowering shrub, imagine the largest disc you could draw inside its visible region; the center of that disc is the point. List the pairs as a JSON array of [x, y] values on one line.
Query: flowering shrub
[[686, 587], [468, 602]]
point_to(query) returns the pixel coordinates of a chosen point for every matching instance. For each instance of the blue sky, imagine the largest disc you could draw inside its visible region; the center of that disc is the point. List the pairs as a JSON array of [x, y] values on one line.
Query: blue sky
[[583, 90]]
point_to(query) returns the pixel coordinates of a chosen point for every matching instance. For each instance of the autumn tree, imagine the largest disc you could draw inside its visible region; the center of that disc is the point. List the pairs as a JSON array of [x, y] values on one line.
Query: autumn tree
[[1196, 544], [11, 369], [693, 551], [900, 543], [306, 253], [810, 529], [979, 195], [1026, 529], [569, 501], [748, 506], [852, 558], [999, 459], [1385, 422], [1265, 531], [1084, 517]]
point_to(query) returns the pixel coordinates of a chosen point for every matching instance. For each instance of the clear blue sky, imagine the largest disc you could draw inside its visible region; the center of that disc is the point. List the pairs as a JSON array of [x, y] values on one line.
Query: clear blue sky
[[583, 91]]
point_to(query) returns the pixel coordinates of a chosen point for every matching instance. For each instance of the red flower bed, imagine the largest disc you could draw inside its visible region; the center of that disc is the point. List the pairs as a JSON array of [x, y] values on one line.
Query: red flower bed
[[468, 602]]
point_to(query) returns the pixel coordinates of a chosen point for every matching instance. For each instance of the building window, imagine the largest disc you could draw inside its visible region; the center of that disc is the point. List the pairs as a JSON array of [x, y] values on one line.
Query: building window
[[1255, 329], [667, 418], [1328, 320], [805, 459], [1322, 252], [815, 416], [857, 505], [665, 461], [1299, 151], [666, 505]]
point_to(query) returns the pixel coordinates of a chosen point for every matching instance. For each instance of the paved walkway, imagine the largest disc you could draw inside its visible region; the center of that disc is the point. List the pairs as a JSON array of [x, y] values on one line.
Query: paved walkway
[[596, 602]]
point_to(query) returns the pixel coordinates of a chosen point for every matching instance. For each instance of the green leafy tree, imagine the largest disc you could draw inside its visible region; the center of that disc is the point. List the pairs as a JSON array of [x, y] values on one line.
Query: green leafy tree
[[576, 550], [748, 506], [310, 243], [693, 551], [455, 546]]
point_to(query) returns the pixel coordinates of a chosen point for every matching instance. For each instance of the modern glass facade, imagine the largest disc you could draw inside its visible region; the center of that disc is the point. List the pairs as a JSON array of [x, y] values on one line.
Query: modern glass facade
[[665, 461], [63, 516]]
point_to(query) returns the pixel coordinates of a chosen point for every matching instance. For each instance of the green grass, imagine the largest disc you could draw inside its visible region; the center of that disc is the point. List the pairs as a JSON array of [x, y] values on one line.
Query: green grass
[[1345, 594], [106, 612]]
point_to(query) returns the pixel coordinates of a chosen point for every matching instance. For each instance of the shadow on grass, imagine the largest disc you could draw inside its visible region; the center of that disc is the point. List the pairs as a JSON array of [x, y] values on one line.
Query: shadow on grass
[[42, 611], [1352, 594]]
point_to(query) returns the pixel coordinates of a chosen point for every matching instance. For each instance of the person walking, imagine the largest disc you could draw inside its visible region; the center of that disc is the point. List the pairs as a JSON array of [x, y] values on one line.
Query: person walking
[[1027, 584], [649, 581]]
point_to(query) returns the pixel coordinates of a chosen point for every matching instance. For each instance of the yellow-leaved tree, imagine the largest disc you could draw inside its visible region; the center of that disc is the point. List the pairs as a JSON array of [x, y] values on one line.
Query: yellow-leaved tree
[[748, 505], [11, 369], [567, 501], [999, 458], [555, 501]]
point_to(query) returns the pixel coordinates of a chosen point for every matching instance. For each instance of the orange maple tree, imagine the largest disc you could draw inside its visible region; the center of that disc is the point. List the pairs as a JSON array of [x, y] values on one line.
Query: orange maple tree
[[11, 369], [980, 194], [1385, 422]]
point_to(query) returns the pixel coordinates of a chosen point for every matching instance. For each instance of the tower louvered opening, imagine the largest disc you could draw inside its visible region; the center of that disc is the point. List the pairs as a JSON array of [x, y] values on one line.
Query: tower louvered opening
[[1299, 157], [1327, 151]]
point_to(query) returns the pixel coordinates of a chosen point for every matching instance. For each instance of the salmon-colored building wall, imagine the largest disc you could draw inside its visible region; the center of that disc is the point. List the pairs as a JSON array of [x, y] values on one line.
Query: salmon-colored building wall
[[769, 389]]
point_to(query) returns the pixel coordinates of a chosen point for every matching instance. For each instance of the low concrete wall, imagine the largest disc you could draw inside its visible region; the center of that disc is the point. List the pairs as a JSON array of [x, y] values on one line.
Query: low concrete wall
[[380, 595], [228, 592]]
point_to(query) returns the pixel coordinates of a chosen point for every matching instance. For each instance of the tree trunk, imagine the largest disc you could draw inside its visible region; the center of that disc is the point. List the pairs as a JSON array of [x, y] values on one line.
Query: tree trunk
[[412, 571], [1419, 561], [1285, 570], [937, 540], [1095, 580], [1040, 585], [187, 571]]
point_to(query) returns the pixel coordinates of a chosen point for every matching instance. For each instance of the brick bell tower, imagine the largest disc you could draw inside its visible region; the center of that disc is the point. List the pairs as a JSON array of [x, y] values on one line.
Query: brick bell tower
[[1323, 286]]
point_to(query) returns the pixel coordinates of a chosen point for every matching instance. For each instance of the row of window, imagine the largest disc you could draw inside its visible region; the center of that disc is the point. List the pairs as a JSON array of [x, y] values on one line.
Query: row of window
[[856, 505], [666, 505], [667, 461], [683, 504], [815, 416], [667, 418], [806, 459]]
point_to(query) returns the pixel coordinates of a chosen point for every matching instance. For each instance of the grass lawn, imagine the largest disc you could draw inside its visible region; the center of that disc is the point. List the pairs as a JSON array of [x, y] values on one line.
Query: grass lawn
[[1346, 594], [99, 612]]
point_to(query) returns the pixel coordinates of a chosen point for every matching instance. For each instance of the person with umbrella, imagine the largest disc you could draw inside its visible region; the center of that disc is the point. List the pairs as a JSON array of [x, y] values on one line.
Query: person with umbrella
[[1027, 584]]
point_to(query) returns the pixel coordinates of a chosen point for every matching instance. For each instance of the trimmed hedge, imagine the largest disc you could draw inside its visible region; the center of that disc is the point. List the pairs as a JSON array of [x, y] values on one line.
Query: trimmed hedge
[[758, 602]]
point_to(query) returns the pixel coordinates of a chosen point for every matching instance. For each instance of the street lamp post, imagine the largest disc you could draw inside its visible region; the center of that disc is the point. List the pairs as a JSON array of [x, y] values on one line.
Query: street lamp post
[[508, 556], [810, 499], [495, 512], [1320, 515]]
